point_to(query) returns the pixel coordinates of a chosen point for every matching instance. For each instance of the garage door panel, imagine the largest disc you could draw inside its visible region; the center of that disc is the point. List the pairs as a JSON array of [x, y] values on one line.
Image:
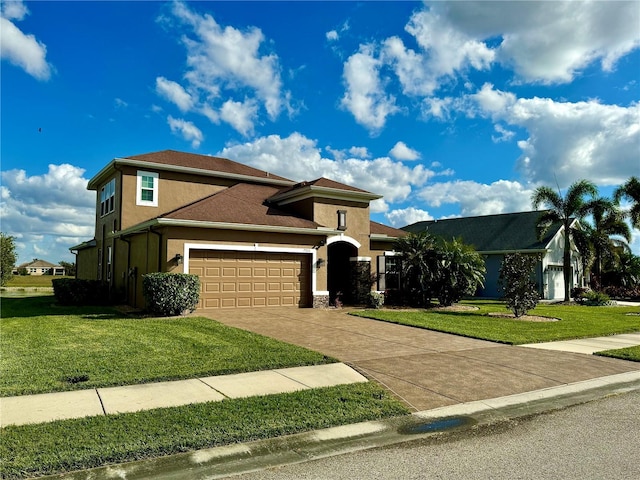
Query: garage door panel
[[251, 279]]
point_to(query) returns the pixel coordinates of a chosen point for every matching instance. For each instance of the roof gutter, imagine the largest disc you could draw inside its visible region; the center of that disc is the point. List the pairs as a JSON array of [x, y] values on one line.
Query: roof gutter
[[102, 174], [169, 222]]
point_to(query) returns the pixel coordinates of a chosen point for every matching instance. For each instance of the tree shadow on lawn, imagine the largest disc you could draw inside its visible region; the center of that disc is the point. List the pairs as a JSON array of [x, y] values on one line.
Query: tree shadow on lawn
[[42, 305]]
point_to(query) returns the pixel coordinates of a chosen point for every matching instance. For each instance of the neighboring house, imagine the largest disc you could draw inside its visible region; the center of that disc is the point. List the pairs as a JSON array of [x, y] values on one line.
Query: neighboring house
[[253, 238], [494, 236], [39, 267]]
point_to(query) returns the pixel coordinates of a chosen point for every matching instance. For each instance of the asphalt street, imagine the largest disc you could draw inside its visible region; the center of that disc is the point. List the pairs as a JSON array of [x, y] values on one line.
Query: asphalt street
[[596, 440]]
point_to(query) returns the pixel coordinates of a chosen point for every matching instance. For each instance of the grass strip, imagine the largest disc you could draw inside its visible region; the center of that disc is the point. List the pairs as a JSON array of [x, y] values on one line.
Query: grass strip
[[46, 348], [629, 353], [32, 280], [575, 321], [67, 445]]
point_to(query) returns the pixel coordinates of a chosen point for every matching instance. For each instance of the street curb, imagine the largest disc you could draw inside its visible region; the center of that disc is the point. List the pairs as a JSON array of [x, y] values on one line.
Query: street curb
[[221, 462]]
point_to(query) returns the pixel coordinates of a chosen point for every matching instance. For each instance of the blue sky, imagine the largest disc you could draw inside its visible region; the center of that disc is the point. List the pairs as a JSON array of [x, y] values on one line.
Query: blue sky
[[447, 109]]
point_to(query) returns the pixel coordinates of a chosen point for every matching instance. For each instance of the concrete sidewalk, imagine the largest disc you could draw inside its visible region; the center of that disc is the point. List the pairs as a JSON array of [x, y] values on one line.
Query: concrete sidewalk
[[590, 345], [48, 407]]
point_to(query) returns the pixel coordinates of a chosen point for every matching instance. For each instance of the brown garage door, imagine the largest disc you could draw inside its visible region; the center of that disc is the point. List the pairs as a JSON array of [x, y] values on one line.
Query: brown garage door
[[251, 279]]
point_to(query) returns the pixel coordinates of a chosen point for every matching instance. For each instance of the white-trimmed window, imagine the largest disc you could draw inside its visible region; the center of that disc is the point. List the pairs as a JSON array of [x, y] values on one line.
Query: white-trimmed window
[[107, 198], [147, 189], [389, 272]]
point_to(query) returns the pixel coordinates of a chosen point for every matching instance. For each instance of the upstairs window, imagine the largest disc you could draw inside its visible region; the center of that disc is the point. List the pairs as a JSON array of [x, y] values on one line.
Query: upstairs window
[[147, 189], [107, 198]]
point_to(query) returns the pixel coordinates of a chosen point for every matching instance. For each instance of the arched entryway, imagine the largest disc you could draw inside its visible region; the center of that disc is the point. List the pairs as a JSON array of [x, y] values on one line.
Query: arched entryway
[[338, 271]]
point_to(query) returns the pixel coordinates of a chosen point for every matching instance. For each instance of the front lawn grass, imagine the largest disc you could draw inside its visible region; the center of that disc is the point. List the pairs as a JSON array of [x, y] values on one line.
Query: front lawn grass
[[629, 353], [68, 445], [32, 280], [576, 321], [47, 348]]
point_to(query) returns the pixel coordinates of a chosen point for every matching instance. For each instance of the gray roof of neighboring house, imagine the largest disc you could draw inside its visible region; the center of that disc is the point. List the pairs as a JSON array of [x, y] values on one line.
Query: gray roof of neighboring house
[[491, 233]]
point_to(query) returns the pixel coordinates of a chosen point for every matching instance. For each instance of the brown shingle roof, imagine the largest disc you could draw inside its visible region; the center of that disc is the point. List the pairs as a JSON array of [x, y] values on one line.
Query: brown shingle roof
[[203, 162], [242, 204], [380, 229]]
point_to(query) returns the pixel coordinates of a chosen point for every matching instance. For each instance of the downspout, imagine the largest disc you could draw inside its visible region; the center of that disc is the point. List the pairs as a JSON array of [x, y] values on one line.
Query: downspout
[[127, 271]]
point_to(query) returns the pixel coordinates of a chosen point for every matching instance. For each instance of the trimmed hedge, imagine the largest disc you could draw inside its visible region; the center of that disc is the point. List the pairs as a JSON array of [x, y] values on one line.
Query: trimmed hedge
[[170, 294], [77, 292]]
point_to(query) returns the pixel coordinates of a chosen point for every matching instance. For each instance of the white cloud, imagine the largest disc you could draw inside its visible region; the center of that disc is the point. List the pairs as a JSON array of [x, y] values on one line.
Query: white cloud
[[546, 42], [360, 152], [332, 35], [39, 211], [400, 151], [474, 198], [228, 59], [240, 115], [540, 42], [505, 135], [299, 158], [14, 10], [407, 216], [567, 141], [187, 129], [174, 92], [20, 49], [364, 96]]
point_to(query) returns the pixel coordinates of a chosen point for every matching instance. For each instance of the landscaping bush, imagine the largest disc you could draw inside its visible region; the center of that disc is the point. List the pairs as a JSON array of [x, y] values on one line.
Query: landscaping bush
[[520, 292], [376, 300], [77, 292], [595, 299], [170, 294]]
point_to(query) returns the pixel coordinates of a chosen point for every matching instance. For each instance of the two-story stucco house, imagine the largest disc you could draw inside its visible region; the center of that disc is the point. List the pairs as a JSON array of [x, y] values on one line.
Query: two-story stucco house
[[253, 238]]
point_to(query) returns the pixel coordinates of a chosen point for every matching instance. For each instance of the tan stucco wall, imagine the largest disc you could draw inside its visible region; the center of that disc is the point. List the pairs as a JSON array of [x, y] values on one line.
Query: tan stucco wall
[[326, 213], [86, 268], [174, 190]]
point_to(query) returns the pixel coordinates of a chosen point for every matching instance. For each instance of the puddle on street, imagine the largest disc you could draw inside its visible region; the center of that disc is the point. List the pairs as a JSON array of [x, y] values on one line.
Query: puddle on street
[[438, 425]]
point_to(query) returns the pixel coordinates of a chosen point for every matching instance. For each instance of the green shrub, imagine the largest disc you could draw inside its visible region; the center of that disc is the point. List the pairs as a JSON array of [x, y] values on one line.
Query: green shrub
[[74, 291], [520, 292], [376, 300], [596, 299], [170, 294]]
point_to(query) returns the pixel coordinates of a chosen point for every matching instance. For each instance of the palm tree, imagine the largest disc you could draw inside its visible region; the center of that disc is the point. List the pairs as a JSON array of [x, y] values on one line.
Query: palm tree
[[631, 192], [573, 206], [419, 265], [462, 271], [608, 220]]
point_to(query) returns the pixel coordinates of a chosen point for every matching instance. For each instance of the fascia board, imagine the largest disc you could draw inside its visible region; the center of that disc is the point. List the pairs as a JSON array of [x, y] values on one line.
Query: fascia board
[[167, 222], [102, 174], [380, 237], [506, 252], [95, 181]]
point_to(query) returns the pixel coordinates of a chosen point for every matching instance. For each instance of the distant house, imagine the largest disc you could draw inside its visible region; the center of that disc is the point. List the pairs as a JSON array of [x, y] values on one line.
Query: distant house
[[494, 236], [39, 267]]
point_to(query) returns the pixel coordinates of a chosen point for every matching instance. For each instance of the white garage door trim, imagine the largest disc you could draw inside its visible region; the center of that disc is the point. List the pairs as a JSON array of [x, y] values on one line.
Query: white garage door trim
[[255, 248]]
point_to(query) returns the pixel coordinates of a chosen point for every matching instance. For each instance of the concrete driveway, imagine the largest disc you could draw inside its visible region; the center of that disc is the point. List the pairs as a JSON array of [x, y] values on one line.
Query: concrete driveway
[[426, 369]]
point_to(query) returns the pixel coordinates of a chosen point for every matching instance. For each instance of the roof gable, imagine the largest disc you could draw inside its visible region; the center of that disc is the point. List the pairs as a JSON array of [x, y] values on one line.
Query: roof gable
[[491, 233], [322, 188]]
